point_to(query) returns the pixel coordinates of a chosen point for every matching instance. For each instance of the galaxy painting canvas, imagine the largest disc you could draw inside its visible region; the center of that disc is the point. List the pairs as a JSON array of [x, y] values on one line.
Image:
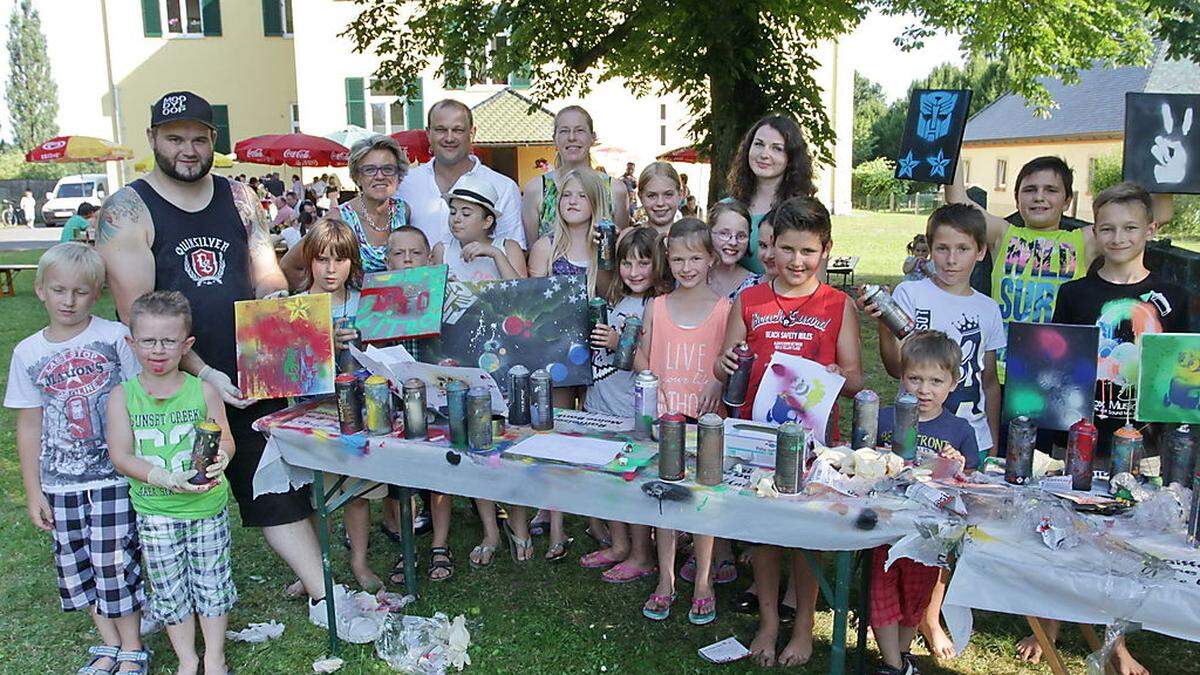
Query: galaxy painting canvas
[[1162, 143], [1169, 378], [284, 346], [402, 304], [494, 325], [933, 135], [1051, 373]]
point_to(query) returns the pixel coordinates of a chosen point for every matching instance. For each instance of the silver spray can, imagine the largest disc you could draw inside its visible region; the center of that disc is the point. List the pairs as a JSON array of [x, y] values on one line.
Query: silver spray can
[[865, 427], [1179, 455], [414, 409], [1018, 466], [479, 419], [645, 403], [904, 435], [627, 344], [518, 396], [891, 314], [541, 403], [456, 412], [710, 450], [791, 444], [671, 429]]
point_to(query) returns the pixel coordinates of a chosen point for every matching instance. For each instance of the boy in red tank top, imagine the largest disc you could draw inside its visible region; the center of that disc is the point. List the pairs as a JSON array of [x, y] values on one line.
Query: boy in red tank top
[[796, 314]]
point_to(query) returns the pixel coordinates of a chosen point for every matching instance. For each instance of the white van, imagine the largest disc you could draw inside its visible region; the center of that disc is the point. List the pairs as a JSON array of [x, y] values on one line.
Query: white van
[[69, 193]]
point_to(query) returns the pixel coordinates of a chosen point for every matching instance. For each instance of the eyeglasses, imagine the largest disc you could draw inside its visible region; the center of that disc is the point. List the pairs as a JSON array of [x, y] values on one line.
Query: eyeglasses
[[725, 235], [373, 170], [149, 343]]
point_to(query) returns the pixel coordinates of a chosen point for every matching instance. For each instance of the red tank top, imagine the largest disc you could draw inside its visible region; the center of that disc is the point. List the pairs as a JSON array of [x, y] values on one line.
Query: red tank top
[[807, 326]]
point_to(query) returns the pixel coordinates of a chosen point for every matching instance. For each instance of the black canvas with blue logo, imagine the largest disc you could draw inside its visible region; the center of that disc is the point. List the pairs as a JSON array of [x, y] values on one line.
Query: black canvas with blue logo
[[933, 135]]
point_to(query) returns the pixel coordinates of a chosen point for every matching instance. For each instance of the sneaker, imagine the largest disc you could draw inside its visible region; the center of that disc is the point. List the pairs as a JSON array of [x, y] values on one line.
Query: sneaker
[[908, 669], [423, 523]]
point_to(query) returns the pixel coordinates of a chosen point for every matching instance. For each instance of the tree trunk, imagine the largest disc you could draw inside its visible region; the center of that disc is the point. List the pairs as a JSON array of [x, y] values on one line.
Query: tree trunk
[[736, 100]]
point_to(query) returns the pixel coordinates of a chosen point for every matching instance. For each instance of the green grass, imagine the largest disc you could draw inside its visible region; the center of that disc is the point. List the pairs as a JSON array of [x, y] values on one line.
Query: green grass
[[540, 618]]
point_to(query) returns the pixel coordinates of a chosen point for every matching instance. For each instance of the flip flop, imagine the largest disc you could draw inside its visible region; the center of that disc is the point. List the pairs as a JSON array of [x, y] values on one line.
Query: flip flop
[[659, 615], [623, 574], [557, 552], [688, 571], [480, 552], [726, 572], [699, 616], [596, 560]]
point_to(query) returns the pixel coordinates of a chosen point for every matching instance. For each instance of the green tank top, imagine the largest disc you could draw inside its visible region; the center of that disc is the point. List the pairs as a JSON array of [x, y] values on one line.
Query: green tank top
[[163, 431], [1027, 270]]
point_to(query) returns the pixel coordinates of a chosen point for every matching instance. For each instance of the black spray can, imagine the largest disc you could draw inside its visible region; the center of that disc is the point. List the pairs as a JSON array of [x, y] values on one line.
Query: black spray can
[[349, 404], [904, 436], [627, 344], [865, 426], [414, 409], [597, 315], [345, 360], [734, 394], [456, 412], [671, 428], [518, 396], [1018, 466], [541, 403], [479, 419], [710, 449], [205, 446], [606, 249], [791, 441], [1179, 456]]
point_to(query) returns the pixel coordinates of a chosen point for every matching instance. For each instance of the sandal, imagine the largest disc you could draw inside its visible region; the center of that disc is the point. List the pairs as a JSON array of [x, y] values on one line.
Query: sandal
[[558, 551], [516, 544], [479, 553], [663, 601], [538, 528], [597, 560], [96, 653], [726, 572], [390, 534], [446, 562], [700, 614], [688, 571], [396, 576], [139, 656], [603, 542], [623, 574]]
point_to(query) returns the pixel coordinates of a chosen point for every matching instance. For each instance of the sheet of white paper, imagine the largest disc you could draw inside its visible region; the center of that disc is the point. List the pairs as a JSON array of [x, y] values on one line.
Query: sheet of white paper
[[570, 449], [397, 365], [725, 651], [795, 389]]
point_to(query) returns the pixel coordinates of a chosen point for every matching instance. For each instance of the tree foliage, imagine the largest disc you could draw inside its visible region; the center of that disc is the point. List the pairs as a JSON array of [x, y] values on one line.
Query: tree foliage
[[1105, 173], [869, 105], [31, 93], [877, 178]]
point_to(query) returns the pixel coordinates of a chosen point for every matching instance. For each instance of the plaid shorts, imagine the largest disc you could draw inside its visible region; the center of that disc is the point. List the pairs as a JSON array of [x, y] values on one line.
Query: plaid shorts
[[188, 564], [96, 551], [901, 594]]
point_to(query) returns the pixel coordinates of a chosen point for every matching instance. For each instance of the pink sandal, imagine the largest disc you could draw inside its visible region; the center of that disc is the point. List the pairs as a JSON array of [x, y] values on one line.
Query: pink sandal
[[664, 601], [596, 560], [704, 611], [622, 573]]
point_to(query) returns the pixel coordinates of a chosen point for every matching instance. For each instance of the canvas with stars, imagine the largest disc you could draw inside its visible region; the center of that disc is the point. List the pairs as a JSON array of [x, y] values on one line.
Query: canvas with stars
[[933, 135], [494, 325], [284, 346]]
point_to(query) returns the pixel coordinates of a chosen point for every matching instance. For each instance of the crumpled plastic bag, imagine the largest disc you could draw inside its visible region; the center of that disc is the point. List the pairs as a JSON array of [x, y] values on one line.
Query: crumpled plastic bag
[[424, 646], [929, 544], [360, 615], [257, 632], [1162, 511], [328, 665], [1097, 660]]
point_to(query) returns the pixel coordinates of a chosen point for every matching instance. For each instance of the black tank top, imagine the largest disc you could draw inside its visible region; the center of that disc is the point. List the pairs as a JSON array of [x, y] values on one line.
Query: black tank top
[[205, 256]]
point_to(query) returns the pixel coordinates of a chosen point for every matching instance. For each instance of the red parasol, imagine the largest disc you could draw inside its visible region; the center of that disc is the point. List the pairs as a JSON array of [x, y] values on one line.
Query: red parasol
[[684, 155], [292, 150], [416, 143]]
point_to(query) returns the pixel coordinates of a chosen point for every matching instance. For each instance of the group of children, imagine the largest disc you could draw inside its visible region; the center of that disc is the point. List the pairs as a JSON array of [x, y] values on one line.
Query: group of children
[[106, 416]]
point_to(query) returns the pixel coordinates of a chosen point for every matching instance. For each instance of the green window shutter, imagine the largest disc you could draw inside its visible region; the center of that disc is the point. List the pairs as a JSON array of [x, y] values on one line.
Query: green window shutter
[[415, 107], [210, 15], [221, 120], [356, 106], [465, 77], [151, 19], [272, 18], [520, 79]]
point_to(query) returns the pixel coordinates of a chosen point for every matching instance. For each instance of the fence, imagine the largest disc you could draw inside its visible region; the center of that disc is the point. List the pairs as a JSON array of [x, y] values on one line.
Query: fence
[[920, 203]]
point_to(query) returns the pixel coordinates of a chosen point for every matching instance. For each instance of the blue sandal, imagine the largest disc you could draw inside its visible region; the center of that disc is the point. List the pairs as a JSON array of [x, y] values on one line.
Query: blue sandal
[[138, 656], [99, 652]]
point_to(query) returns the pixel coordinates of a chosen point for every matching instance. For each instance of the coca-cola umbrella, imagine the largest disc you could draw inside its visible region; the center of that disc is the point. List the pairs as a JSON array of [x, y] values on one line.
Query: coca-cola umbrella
[[684, 155], [78, 149], [292, 150], [416, 143]]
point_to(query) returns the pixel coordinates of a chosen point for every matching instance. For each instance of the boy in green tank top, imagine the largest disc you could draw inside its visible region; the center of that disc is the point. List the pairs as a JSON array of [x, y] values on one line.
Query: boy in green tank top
[[184, 527]]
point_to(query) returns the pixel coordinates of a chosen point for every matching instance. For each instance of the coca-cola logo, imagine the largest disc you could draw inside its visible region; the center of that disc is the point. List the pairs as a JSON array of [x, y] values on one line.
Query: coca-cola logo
[[339, 156], [53, 145], [297, 154], [255, 153]]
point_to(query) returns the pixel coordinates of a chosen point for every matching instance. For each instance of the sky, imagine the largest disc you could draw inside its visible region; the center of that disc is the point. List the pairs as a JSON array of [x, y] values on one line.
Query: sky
[[875, 55]]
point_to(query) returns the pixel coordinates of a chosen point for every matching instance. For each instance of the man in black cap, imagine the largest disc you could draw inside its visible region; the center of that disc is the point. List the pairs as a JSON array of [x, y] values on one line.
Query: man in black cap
[[181, 228]]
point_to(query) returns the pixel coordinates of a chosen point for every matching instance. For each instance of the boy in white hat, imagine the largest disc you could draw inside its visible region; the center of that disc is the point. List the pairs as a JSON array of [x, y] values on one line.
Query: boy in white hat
[[470, 249]]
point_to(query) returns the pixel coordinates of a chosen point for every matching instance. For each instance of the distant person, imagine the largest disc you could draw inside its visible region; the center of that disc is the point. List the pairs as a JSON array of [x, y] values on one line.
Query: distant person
[[285, 213], [272, 184], [80, 223], [630, 181], [297, 186], [28, 208]]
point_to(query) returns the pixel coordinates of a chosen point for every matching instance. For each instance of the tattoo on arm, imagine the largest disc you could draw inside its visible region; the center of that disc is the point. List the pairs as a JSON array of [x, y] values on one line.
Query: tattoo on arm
[[122, 208], [254, 218]]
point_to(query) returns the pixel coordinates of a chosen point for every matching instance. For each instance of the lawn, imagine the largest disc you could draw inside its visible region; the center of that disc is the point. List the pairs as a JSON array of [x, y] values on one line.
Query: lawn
[[540, 618]]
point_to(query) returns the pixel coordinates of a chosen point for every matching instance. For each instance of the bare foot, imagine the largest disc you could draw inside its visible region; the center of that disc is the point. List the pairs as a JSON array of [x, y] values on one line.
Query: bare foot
[[216, 667], [1029, 650], [762, 649], [367, 579], [1125, 663], [191, 667], [940, 645], [799, 650], [294, 591]]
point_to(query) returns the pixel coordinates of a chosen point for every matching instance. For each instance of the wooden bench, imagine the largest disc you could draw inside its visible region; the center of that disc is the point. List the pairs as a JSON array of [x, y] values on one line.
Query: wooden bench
[[6, 277]]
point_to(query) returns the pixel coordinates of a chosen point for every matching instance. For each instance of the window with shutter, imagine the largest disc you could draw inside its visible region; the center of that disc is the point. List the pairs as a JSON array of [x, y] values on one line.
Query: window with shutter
[[272, 18], [151, 18], [416, 107], [356, 109], [210, 11], [221, 121]]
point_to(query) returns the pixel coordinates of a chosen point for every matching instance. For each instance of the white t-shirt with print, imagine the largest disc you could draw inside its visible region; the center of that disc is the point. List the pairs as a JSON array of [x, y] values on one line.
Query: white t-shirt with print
[[973, 321], [611, 392], [70, 381]]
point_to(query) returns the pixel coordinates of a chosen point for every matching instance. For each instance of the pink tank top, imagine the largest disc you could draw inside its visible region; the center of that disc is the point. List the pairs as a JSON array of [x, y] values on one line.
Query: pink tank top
[[683, 358]]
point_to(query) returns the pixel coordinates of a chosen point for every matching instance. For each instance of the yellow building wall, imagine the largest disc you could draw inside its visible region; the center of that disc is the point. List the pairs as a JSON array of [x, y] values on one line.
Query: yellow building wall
[[982, 160]]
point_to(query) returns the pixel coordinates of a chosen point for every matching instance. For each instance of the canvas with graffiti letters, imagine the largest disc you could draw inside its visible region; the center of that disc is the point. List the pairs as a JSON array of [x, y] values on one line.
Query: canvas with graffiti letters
[[1162, 143], [285, 346], [402, 304], [1051, 373], [494, 325], [933, 134], [1169, 378], [795, 389]]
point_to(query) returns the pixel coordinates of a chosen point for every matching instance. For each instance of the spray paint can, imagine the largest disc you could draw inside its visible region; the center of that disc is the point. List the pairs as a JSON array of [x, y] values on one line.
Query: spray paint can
[[738, 383], [904, 435], [1127, 449], [456, 412], [518, 396], [671, 429], [791, 443], [541, 403], [205, 445], [627, 344], [345, 360], [377, 396], [1193, 525], [645, 403], [1179, 455], [1081, 449], [606, 248], [414, 409], [893, 316], [349, 404], [1018, 467], [597, 315], [865, 426], [479, 418], [710, 450]]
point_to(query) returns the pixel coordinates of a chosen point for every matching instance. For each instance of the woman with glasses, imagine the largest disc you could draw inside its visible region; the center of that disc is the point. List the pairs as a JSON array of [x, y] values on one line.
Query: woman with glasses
[[729, 222]]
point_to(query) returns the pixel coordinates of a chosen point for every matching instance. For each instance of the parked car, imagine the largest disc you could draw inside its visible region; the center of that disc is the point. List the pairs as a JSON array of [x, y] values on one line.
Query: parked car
[[69, 193]]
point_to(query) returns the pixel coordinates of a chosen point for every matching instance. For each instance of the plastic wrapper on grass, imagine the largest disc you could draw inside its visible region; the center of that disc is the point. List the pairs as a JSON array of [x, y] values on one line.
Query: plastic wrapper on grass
[[424, 646]]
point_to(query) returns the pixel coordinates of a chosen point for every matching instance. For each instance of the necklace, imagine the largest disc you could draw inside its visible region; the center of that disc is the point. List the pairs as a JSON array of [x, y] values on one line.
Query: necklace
[[788, 319], [370, 221]]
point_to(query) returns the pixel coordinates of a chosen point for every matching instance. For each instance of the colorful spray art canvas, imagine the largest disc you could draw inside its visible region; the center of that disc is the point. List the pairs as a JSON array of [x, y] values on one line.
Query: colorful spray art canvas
[[933, 135], [1051, 373], [285, 346], [494, 325], [402, 304], [1169, 378], [795, 389]]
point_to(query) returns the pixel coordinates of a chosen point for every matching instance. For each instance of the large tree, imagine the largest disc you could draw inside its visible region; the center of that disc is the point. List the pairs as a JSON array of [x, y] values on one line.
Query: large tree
[[31, 93], [870, 104], [731, 61]]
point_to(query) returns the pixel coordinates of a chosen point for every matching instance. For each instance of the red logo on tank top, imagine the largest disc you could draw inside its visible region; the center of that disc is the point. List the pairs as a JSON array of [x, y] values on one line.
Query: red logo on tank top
[[203, 259]]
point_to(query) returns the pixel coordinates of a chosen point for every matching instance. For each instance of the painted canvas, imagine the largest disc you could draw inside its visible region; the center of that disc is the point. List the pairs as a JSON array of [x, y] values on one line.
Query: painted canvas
[[933, 135], [285, 346], [494, 325], [1162, 147], [1169, 379], [795, 389], [402, 304], [1051, 376]]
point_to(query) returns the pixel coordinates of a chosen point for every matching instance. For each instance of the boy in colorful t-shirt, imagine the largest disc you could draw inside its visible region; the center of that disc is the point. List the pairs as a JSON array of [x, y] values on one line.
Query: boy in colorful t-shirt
[[183, 526]]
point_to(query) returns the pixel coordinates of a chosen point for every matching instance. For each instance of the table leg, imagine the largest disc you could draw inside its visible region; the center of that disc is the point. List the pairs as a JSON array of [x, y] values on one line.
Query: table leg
[[1094, 644], [321, 505], [407, 542], [843, 563], [866, 561], [1049, 651], [6, 283]]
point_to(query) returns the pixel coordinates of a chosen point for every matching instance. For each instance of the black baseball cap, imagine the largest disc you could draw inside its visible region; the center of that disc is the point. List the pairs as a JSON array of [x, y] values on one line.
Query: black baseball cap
[[181, 105]]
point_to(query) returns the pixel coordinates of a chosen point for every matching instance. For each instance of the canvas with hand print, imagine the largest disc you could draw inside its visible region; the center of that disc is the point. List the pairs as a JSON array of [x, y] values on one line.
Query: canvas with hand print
[[933, 135], [1162, 142], [402, 304], [1169, 378], [285, 346]]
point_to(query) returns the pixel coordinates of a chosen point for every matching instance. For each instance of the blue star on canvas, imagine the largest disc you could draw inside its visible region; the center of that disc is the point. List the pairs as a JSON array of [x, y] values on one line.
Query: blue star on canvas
[[907, 164], [937, 165]]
